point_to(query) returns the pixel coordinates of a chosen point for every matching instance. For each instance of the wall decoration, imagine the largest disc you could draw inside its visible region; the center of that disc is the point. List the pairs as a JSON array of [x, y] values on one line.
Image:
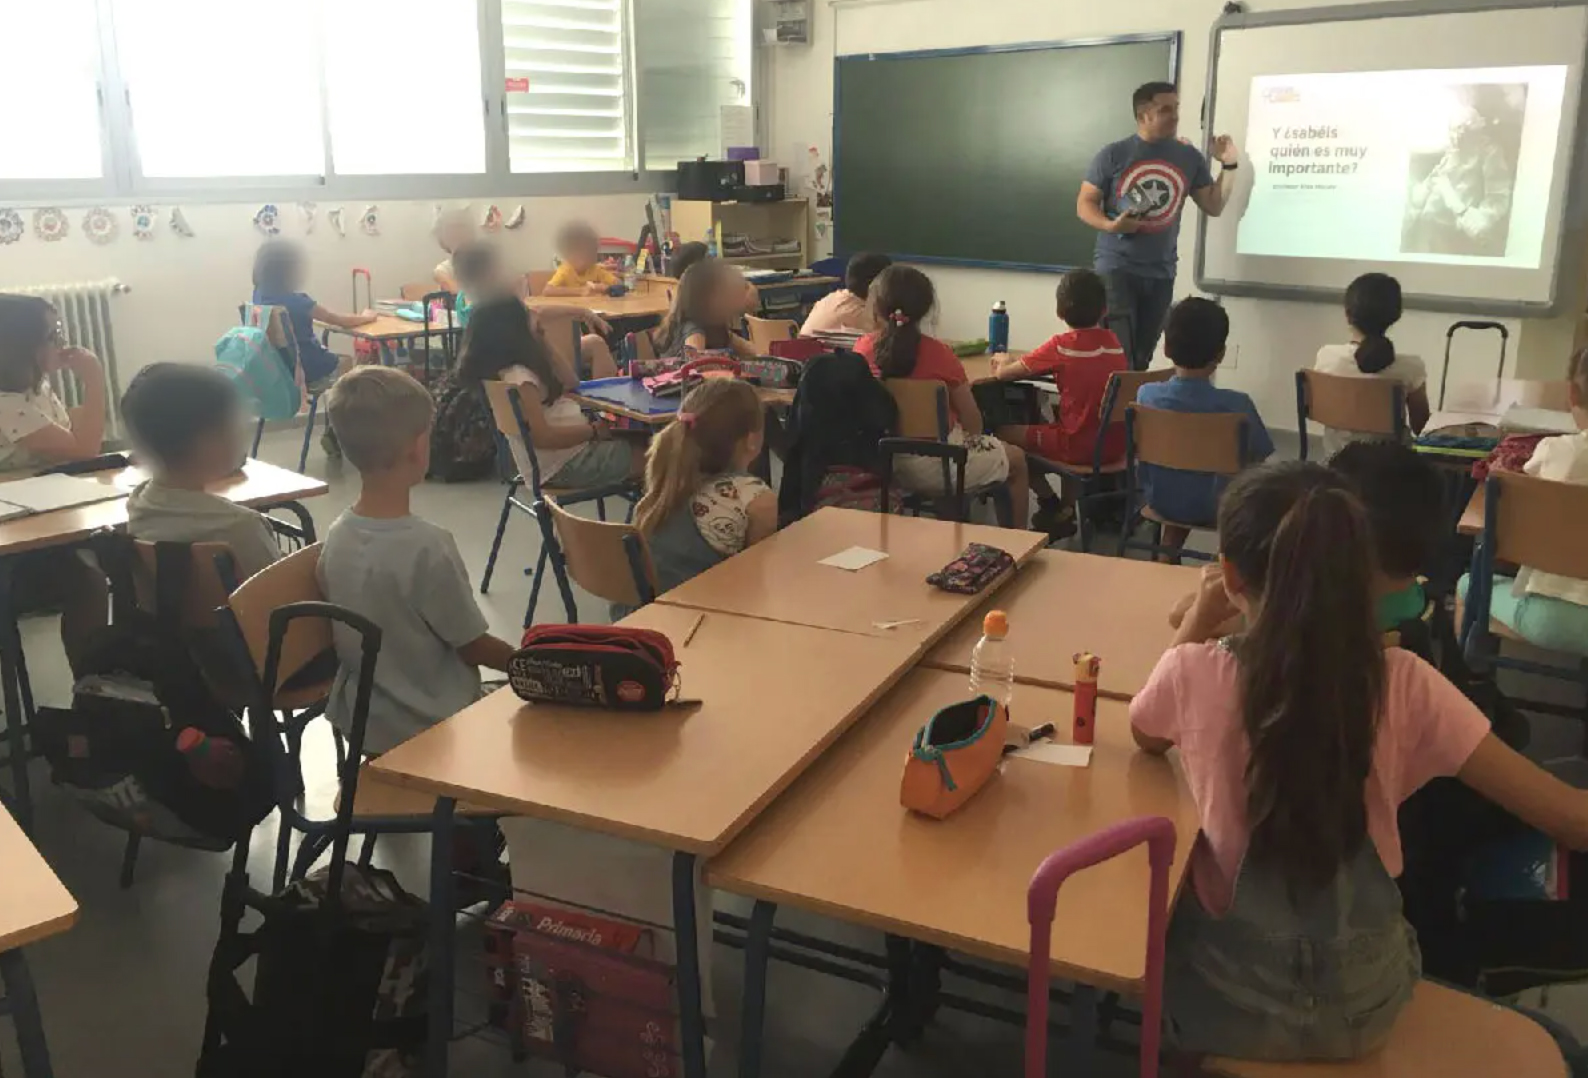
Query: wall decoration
[[516, 221], [50, 224], [11, 227], [179, 223], [306, 213], [143, 222], [334, 216], [100, 226], [370, 221], [268, 219], [491, 219]]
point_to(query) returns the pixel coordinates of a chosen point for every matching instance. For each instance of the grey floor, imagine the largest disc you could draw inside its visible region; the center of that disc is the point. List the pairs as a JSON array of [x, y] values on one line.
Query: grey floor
[[123, 992]]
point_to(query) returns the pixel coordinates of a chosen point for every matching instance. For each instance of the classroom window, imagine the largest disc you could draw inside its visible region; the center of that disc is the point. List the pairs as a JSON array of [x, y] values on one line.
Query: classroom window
[[50, 83], [567, 90], [222, 89], [693, 59], [403, 87]]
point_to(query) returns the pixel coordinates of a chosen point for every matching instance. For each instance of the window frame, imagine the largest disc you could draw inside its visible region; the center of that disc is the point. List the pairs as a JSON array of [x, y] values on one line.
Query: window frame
[[124, 181]]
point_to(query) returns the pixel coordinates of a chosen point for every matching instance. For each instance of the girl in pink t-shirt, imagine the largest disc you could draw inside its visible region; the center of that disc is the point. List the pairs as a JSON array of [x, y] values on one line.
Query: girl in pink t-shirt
[[1300, 739]]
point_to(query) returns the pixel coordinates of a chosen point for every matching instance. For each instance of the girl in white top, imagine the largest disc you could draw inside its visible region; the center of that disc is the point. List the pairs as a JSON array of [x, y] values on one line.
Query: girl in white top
[[502, 343], [452, 230], [1372, 306]]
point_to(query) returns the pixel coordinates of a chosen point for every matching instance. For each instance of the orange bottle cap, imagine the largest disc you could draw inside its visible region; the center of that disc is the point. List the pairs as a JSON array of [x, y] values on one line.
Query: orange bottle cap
[[995, 624]]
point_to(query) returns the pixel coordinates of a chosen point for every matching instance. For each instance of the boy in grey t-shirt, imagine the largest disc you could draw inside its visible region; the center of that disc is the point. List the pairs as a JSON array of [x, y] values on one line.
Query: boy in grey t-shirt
[[401, 572]]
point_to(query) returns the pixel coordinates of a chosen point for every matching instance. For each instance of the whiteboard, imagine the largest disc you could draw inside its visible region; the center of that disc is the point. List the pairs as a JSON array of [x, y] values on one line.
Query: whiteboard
[[1435, 141]]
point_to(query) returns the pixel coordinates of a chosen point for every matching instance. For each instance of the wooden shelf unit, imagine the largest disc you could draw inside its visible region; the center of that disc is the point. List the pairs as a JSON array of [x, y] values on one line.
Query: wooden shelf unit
[[789, 219]]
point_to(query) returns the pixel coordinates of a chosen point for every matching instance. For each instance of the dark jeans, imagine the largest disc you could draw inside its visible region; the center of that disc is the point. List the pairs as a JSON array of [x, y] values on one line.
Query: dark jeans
[[1137, 307]]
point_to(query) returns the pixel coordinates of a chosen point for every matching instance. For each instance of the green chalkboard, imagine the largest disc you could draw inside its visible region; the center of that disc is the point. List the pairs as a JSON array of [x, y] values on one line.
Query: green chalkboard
[[976, 155]]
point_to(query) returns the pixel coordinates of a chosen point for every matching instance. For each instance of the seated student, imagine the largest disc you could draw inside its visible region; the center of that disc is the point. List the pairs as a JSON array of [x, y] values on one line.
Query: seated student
[[482, 277], [1372, 306], [686, 255], [848, 310], [452, 230], [37, 430], [1299, 739], [502, 344], [708, 303], [580, 273], [1547, 609], [187, 425], [702, 505], [279, 271], [401, 572], [903, 298], [1405, 510], [1194, 342]]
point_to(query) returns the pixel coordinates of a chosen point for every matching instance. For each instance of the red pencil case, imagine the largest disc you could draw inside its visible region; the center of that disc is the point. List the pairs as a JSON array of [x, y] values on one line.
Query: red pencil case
[[594, 666]]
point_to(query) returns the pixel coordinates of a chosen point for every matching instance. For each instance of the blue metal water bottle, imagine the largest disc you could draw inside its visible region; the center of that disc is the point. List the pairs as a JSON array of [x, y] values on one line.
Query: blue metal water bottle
[[998, 328]]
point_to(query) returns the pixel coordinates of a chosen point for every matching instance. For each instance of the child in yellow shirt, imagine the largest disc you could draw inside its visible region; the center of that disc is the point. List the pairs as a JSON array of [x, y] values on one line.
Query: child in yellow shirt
[[581, 272]]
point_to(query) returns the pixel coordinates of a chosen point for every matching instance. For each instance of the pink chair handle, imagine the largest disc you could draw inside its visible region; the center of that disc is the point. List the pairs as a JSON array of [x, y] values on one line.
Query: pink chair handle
[[1042, 898]]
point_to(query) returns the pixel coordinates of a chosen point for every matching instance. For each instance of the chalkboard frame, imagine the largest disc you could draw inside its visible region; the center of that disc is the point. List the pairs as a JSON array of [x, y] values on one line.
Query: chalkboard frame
[[1173, 38]]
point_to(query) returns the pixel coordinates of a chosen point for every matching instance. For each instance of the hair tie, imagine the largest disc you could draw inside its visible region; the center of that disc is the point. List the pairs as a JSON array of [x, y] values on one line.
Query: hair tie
[[899, 318], [688, 419]]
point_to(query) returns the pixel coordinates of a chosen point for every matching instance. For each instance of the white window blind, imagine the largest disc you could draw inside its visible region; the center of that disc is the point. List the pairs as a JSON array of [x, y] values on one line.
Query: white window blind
[[567, 85], [403, 87], [223, 88], [693, 58], [50, 84]]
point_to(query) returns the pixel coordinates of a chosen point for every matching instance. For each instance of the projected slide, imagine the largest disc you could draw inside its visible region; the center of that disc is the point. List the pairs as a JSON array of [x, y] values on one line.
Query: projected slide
[[1446, 167]]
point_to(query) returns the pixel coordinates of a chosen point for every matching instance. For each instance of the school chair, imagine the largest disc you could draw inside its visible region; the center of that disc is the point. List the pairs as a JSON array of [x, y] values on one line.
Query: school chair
[[924, 419], [535, 281], [273, 320], [417, 291], [1042, 898], [1374, 406], [610, 561], [640, 344], [1120, 395], [1211, 443], [1537, 524], [507, 409], [448, 303], [764, 332]]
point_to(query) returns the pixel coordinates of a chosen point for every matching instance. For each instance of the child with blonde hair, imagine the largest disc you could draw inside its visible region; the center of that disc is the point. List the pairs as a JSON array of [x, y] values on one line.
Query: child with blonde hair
[[452, 230], [701, 504]]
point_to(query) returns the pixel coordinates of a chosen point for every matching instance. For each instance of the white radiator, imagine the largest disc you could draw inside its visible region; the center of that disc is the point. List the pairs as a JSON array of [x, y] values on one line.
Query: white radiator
[[85, 311]]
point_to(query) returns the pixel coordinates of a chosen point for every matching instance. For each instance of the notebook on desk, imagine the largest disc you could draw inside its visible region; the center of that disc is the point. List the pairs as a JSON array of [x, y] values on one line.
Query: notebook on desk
[[627, 393], [1519, 420], [48, 493]]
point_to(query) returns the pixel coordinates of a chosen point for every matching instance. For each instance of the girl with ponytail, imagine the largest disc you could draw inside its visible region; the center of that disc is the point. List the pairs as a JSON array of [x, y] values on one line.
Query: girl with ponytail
[[1372, 306], [902, 298], [701, 504], [1299, 739]]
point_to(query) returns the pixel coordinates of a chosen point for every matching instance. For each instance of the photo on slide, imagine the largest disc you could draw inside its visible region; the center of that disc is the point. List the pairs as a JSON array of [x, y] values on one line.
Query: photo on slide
[[1459, 194]]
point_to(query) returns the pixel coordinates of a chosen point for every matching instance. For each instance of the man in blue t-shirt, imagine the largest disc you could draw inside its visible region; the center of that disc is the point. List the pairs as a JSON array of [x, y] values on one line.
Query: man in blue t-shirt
[[1133, 194]]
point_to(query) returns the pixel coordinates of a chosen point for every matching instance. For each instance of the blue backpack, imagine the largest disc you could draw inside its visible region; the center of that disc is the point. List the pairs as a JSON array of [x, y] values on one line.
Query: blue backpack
[[262, 375]]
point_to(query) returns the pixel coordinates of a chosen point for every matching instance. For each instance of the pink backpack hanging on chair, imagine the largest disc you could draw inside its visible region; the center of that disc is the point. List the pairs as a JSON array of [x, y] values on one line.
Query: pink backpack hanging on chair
[[1043, 896]]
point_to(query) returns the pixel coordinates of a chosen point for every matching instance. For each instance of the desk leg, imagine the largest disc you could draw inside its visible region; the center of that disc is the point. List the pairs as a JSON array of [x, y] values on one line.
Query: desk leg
[[1080, 1048], [691, 1019], [443, 932], [24, 1008], [892, 1017], [752, 1018], [17, 718]]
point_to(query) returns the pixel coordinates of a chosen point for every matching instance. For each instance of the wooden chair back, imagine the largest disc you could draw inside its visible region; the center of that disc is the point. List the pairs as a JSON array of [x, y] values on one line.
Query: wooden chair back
[[642, 344], [1539, 523], [923, 408], [598, 559], [535, 282], [1192, 441], [293, 579], [1123, 388], [418, 290], [562, 335], [763, 331], [1354, 403], [513, 429], [207, 591]]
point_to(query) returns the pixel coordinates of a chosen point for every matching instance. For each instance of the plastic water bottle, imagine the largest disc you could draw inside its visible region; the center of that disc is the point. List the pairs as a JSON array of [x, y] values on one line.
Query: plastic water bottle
[[992, 664], [998, 328]]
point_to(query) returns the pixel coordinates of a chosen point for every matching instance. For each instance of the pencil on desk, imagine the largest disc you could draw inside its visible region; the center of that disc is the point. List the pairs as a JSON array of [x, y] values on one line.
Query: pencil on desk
[[693, 629]]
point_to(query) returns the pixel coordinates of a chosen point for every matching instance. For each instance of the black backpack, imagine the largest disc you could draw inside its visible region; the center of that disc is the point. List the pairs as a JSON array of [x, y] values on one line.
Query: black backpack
[[840, 412], [463, 440], [115, 750]]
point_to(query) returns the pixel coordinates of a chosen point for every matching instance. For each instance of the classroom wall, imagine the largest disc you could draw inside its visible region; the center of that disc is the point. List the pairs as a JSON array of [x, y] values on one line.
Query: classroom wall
[[185, 292], [1270, 339]]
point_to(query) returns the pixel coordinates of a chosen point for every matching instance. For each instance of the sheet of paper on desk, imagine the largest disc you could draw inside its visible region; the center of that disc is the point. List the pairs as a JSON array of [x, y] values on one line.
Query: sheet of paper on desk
[[853, 559], [46, 493], [1519, 420], [1051, 752]]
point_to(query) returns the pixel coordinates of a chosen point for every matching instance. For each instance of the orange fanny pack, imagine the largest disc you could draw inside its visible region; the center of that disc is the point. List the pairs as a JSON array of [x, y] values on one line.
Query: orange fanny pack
[[953, 756]]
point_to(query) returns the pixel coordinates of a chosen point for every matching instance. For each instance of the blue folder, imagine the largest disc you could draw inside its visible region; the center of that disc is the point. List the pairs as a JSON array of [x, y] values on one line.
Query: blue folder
[[628, 393]]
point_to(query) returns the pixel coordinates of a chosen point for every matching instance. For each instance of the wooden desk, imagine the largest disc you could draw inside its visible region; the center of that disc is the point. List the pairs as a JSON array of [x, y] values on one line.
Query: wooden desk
[[656, 283], [259, 484], [839, 844], [388, 328], [1061, 603], [1471, 522], [774, 697], [778, 578], [636, 304], [34, 905], [773, 397]]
